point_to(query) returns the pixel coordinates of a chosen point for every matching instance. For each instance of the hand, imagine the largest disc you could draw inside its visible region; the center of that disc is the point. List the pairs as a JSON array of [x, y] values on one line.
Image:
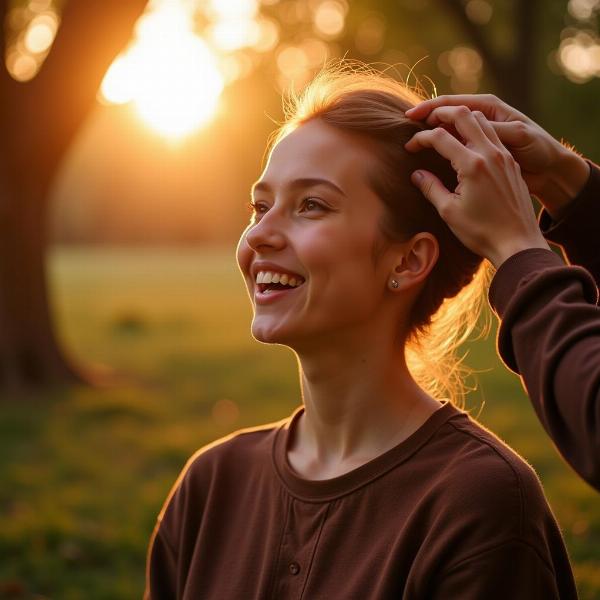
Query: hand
[[552, 172], [490, 210]]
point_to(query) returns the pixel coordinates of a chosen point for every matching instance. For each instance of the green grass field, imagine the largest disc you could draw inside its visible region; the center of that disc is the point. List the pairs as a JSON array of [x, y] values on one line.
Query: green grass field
[[83, 472]]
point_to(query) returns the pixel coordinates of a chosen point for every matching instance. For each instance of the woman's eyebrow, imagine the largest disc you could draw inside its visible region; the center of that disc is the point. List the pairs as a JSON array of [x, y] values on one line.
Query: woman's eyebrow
[[263, 186]]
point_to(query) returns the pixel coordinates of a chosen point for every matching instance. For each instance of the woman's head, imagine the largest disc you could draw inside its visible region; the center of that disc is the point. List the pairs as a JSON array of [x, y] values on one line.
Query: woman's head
[[349, 126]]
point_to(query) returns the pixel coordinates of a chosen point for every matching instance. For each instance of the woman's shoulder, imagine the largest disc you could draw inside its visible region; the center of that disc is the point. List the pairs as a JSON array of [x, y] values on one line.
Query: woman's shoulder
[[483, 476], [236, 452]]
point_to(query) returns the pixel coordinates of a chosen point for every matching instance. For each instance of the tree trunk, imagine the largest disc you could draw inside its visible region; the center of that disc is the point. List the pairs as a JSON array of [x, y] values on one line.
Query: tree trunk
[[38, 120], [513, 75]]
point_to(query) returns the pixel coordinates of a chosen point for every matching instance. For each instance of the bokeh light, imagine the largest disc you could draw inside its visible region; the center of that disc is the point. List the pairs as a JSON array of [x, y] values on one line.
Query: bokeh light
[[33, 27], [169, 73], [579, 56], [370, 34], [329, 17], [583, 10], [464, 67], [479, 11]]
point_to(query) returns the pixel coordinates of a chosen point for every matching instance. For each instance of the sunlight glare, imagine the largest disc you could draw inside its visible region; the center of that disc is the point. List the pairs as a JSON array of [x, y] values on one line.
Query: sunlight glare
[[169, 73]]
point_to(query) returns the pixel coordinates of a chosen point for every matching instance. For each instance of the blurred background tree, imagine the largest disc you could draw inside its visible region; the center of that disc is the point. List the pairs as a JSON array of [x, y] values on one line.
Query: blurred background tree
[[168, 155], [46, 95]]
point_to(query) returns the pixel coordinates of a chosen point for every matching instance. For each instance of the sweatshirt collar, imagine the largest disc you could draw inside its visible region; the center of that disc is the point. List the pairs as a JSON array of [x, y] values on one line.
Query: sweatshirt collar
[[328, 489]]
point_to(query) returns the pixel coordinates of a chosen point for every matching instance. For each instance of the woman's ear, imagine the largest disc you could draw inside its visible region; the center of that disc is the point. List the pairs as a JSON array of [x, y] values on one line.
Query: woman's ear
[[418, 257]]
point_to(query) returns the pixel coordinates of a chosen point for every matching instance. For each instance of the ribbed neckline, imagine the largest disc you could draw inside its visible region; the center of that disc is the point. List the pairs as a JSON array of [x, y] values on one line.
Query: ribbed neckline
[[328, 489]]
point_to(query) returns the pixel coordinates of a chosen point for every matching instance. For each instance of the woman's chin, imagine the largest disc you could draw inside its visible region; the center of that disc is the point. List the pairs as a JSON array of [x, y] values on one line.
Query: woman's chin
[[269, 334]]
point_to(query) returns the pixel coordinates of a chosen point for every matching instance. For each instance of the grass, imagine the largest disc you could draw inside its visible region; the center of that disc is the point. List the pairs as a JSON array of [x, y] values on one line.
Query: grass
[[83, 472]]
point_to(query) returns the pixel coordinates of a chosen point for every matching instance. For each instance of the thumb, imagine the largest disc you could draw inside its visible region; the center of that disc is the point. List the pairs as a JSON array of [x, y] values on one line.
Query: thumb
[[432, 188]]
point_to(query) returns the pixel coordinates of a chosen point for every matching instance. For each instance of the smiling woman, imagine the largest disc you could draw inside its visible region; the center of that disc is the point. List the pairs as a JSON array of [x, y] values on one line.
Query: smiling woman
[[376, 487]]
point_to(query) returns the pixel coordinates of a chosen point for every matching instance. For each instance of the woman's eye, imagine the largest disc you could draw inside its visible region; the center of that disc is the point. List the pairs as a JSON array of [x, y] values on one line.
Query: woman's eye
[[312, 204], [257, 208]]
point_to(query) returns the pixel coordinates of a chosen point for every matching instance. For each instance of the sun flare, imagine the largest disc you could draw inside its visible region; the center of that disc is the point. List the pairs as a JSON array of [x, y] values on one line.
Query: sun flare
[[168, 73]]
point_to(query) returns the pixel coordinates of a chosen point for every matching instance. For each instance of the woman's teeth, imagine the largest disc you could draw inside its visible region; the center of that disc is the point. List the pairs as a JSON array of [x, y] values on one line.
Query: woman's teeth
[[272, 277]]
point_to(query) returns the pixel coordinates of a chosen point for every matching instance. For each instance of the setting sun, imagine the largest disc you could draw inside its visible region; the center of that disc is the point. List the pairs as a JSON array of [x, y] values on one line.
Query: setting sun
[[168, 73]]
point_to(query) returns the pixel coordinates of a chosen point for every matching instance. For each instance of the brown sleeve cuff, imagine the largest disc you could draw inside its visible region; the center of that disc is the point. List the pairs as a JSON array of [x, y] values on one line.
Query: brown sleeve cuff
[[515, 272], [577, 230]]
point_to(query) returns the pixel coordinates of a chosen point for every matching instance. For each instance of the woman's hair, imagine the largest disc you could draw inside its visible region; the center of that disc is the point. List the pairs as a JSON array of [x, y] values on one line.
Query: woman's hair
[[357, 98]]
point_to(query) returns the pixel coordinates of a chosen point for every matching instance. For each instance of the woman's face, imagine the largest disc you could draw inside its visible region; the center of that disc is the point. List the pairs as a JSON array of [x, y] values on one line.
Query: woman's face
[[315, 225]]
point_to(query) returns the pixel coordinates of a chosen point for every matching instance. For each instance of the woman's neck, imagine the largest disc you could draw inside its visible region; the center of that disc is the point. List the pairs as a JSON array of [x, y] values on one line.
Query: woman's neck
[[358, 404]]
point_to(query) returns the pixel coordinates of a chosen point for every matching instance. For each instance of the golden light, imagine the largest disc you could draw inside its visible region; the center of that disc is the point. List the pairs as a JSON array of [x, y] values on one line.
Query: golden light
[[583, 10], [34, 28], [22, 67], [40, 33], [268, 35], [233, 9], [169, 74], [464, 66], [479, 11], [233, 34], [579, 56], [370, 34], [329, 17]]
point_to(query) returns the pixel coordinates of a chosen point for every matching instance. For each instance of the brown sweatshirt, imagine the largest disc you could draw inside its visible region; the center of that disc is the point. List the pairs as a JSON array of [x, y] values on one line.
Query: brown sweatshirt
[[550, 329], [449, 513]]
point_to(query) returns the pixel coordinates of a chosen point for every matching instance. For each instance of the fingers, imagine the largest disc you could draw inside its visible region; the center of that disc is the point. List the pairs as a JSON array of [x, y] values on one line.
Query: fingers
[[514, 134], [487, 128], [491, 106], [433, 189], [445, 144], [460, 118]]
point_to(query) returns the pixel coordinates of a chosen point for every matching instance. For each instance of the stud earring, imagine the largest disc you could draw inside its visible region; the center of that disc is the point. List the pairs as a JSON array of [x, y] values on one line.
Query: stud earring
[[394, 284]]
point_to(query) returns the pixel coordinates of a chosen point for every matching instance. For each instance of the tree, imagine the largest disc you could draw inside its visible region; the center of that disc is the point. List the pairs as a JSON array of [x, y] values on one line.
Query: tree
[[513, 74], [38, 120]]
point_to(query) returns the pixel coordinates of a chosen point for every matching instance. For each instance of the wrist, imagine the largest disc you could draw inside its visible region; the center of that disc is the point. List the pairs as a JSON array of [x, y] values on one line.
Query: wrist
[[501, 254], [566, 179]]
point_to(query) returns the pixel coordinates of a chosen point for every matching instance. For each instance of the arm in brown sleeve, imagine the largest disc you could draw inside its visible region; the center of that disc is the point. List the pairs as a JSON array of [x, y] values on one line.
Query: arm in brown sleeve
[[550, 335], [578, 230], [513, 570]]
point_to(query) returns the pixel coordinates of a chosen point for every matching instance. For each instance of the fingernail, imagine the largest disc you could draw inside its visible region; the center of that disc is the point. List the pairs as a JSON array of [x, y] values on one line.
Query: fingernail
[[417, 177]]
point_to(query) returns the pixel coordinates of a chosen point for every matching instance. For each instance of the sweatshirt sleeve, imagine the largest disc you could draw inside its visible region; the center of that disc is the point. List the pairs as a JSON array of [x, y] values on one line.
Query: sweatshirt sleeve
[[578, 231], [172, 542], [550, 335], [511, 570], [161, 575]]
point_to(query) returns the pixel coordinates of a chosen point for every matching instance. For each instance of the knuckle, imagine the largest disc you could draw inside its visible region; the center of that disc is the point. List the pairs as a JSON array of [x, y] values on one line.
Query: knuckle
[[477, 164], [439, 133], [462, 111], [445, 211], [521, 130], [497, 156]]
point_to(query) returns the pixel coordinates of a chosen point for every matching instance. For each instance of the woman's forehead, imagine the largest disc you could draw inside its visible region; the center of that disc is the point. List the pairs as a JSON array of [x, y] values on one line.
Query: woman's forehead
[[316, 149]]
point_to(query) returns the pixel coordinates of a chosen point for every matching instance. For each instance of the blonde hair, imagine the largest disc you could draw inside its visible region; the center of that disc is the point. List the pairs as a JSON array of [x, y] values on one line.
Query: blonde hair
[[358, 98]]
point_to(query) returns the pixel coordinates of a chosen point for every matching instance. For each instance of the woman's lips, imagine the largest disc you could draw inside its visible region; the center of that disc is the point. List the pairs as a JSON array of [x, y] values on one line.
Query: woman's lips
[[269, 296]]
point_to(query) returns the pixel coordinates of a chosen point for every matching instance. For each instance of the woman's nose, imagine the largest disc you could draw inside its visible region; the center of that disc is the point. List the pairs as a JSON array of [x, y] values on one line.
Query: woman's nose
[[266, 233]]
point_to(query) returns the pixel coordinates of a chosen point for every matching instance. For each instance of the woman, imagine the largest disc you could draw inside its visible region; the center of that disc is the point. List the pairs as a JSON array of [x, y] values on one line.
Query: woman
[[377, 487]]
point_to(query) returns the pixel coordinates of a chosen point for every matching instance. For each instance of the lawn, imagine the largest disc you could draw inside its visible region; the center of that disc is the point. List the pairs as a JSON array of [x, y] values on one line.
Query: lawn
[[83, 472]]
